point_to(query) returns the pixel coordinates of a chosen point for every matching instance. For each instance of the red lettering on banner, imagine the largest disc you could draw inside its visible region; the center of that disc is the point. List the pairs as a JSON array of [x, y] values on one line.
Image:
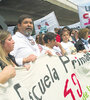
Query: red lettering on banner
[[87, 22], [86, 15], [73, 75], [66, 92]]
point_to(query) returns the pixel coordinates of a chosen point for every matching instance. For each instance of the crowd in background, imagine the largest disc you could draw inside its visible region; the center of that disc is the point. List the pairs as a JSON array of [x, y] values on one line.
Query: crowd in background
[[71, 40]]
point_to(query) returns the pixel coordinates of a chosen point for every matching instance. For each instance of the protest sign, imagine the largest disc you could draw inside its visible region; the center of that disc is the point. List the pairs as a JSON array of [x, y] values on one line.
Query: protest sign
[[84, 14], [47, 23]]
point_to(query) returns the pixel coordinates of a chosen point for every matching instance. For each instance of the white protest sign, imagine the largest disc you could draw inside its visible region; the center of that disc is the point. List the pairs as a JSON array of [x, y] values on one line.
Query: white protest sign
[[47, 23], [75, 26], [51, 78], [84, 14]]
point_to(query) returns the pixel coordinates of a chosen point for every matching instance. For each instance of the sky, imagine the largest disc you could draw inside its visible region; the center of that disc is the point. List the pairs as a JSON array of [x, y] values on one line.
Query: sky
[[77, 2]]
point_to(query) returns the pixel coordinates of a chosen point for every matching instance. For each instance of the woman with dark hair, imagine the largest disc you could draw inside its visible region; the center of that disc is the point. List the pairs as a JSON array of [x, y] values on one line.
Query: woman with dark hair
[[52, 45]]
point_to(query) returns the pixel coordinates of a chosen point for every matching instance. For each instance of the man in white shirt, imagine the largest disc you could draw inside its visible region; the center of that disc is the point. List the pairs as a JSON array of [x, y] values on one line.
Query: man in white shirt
[[25, 48]]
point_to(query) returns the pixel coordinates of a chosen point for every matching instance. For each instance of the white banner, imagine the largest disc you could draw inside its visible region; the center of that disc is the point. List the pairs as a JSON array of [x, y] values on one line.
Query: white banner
[[47, 23], [51, 78], [84, 15], [75, 26]]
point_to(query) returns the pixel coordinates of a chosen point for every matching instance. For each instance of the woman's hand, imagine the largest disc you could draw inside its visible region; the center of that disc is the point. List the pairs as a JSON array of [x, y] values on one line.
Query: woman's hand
[[10, 71], [7, 73], [27, 66]]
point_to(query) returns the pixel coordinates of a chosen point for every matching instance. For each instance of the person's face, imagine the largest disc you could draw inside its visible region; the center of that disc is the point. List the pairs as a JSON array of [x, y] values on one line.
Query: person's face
[[73, 33], [65, 36], [9, 44], [26, 27]]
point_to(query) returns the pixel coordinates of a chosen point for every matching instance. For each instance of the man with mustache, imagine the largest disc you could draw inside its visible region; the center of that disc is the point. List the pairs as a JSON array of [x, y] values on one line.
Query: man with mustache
[[25, 48]]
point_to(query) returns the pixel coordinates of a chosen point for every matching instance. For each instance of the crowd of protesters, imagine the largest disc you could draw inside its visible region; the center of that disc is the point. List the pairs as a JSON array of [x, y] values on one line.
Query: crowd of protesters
[[21, 49]]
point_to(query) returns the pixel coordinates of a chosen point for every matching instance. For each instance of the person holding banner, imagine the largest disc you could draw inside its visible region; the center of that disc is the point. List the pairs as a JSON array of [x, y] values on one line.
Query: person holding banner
[[7, 62], [25, 48]]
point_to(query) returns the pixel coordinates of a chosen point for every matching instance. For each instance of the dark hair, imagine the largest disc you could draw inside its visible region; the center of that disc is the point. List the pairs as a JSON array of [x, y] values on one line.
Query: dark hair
[[15, 29], [41, 39], [66, 27], [22, 17], [1, 27], [63, 31], [49, 36], [88, 27], [59, 31]]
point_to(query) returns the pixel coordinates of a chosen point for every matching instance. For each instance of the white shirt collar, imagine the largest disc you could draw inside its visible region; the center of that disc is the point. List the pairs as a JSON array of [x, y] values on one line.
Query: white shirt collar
[[23, 36]]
